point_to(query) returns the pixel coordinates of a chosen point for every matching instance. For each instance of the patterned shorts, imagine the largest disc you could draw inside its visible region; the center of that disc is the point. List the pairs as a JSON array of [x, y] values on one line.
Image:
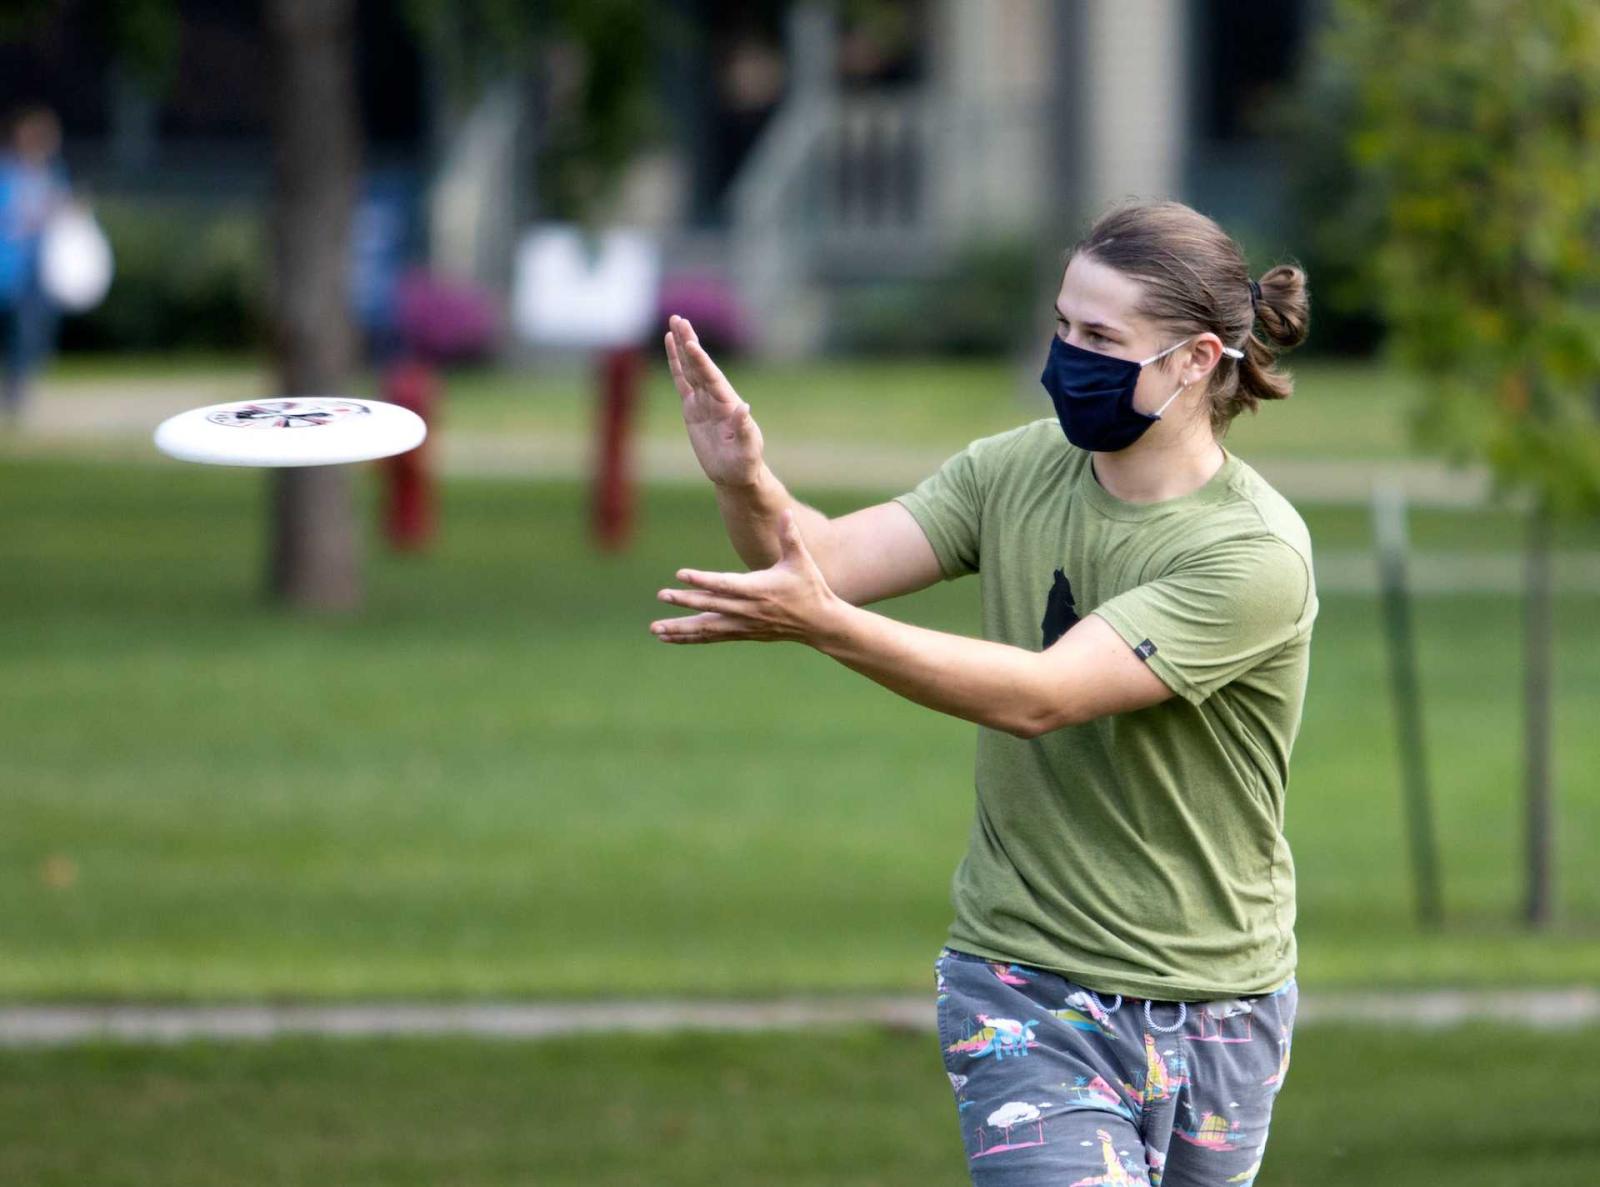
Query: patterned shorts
[[1057, 1085]]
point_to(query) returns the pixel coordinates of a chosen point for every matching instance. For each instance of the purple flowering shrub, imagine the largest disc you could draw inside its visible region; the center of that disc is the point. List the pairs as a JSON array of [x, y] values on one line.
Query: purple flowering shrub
[[709, 301], [445, 321]]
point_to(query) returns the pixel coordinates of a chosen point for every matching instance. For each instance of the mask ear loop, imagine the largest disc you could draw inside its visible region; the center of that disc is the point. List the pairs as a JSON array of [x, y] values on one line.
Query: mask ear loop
[[1231, 352], [1164, 353], [1157, 413]]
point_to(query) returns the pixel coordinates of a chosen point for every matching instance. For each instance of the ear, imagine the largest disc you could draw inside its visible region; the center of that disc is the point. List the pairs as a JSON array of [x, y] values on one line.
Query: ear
[[1205, 352]]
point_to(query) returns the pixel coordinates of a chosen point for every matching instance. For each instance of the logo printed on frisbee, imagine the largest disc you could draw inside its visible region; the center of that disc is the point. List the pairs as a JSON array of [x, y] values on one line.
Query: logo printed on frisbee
[[277, 414]]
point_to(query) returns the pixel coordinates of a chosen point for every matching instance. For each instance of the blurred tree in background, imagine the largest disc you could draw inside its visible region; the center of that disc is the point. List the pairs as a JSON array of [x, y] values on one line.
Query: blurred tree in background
[[1478, 132], [592, 67], [983, 301], [314, 556], [1334, 219], [313, 553], [591, 61], [190, 276]]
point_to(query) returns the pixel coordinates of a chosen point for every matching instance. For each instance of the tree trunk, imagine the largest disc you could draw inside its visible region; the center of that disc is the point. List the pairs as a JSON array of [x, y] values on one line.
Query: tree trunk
[[314, 558], [1537, 655], [1389, 530]]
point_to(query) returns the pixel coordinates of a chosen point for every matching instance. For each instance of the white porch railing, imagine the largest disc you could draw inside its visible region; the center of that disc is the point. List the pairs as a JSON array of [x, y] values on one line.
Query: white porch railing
[[838, 187]]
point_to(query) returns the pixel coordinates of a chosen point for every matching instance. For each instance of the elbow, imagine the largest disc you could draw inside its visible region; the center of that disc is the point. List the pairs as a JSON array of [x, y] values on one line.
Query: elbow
[[1056, 707], [1043, 720], [1027, 731], [1046, 703]]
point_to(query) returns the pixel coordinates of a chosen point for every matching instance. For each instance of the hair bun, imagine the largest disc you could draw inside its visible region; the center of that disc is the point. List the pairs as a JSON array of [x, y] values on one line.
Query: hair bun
[[1283, 307]]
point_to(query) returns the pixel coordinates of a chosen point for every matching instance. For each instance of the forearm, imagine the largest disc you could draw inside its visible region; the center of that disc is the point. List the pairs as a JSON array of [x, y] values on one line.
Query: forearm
[[750, 514], [992, 684]]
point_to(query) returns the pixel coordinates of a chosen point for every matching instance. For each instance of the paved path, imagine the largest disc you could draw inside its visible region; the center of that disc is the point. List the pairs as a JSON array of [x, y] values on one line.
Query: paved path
[[1552, 1009], [90, 416]]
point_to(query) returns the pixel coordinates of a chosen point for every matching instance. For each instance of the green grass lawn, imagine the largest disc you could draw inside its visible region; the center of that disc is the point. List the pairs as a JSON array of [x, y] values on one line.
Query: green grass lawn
[[494, 782], [1476, 1107]]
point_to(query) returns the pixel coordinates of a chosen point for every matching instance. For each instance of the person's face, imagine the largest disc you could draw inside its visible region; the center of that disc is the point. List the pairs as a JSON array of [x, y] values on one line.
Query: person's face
[[1095, 311], [38, 138]]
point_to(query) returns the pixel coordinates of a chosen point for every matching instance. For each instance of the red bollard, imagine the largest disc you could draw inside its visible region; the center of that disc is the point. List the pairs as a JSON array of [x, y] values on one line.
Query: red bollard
[[620, 371], [409, 504]]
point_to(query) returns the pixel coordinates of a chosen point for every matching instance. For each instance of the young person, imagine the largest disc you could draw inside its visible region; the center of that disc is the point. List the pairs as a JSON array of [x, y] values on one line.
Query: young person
[[1116, 994], [33, 187]]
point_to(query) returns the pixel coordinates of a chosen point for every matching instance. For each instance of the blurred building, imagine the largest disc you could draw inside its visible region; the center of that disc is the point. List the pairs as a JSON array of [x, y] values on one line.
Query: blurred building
[[1010, 118], [804, 152]]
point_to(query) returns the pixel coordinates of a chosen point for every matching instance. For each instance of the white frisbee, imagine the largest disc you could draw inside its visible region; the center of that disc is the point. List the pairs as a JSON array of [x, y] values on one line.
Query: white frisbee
[[304, 431]]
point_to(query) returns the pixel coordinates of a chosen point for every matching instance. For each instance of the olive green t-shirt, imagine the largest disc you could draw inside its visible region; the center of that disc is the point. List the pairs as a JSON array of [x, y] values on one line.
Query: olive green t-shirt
[[1141, 853]]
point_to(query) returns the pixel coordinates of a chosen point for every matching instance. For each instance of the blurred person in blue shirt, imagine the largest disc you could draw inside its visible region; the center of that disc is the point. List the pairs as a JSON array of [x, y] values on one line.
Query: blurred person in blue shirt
[[33, 186]]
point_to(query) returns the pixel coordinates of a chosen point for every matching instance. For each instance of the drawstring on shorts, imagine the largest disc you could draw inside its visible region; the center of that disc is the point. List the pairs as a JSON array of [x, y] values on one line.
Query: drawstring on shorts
[[1183, 1016]]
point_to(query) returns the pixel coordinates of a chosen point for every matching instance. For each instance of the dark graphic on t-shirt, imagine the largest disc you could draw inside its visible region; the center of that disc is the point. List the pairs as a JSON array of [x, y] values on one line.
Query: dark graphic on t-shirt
[[1059, 614]]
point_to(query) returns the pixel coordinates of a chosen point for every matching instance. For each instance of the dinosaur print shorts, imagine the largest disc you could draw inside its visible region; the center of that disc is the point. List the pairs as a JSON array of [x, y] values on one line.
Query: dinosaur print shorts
[[1056, 1085]]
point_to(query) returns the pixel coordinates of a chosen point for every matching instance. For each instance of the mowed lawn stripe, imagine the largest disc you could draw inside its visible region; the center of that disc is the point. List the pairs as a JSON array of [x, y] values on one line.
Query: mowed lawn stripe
[[494, 783], [1476, 1107]]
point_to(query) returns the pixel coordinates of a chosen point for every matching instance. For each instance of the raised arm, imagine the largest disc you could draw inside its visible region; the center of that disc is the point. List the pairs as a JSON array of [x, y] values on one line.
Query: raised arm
[[877, 552], [1090, 672]]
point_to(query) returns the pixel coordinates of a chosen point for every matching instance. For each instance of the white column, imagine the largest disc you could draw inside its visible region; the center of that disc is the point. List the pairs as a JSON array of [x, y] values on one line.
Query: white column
[[1135, 120], [991, 73]]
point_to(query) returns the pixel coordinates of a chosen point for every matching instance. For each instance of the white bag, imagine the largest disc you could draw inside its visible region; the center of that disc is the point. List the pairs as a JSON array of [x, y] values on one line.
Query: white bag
[[74, 260]]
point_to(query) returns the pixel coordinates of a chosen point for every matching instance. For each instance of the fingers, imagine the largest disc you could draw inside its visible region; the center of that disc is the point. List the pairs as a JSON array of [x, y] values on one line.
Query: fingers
[[698, 628], [693, 372], [724, 614], [733, 585], [694, 599], [684, 332], [698, 368], [679, 381], [706, 374]]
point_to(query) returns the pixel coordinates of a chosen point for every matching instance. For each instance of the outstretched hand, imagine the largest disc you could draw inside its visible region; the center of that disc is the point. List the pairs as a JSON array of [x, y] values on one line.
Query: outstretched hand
[[725, 438], [789, 601]]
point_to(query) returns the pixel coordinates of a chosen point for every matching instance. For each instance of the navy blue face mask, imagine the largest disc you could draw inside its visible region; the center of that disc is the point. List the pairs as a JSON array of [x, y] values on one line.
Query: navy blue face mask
[[1093, 395]]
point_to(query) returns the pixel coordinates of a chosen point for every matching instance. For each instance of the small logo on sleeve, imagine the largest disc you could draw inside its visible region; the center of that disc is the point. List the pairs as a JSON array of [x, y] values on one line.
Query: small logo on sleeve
[[1145, 649]]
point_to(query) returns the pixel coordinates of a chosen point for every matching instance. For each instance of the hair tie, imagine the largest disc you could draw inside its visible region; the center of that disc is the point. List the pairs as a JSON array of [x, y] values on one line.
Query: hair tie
[[1255, 295]]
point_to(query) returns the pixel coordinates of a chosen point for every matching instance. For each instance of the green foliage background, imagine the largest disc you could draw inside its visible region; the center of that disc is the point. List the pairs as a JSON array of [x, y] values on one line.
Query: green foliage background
[[1478, 128], [190, 276], [593, 64]]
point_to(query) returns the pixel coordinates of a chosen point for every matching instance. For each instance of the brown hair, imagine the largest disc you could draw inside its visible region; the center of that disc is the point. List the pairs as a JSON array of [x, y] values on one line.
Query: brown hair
[[1195, 279]]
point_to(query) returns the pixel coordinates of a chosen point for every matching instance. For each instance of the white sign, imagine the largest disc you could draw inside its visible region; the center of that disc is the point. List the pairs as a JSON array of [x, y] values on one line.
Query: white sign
[[591, 292]]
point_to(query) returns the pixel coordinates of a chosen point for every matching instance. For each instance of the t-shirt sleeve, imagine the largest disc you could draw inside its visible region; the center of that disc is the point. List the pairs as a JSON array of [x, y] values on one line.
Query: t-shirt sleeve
[[948, 507], [948, 504], [1217, 615]]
